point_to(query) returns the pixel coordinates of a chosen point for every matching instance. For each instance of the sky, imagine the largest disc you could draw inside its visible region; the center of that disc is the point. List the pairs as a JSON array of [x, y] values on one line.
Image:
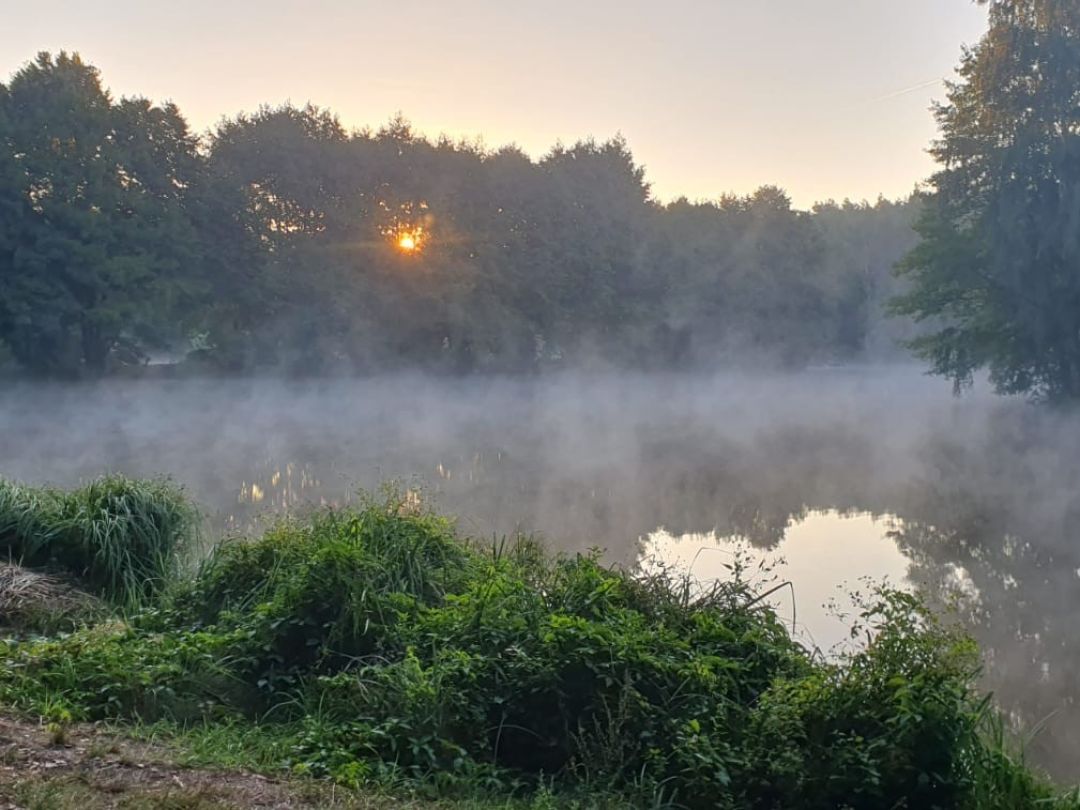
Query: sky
[[828, 99]]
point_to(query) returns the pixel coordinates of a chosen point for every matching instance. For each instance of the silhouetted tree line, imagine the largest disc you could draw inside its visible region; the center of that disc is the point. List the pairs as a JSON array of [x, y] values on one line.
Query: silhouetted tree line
[[275, 242]]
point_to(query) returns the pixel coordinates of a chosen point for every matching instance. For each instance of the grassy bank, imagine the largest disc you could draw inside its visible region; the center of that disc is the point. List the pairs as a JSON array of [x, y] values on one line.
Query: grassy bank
[[376, 649]]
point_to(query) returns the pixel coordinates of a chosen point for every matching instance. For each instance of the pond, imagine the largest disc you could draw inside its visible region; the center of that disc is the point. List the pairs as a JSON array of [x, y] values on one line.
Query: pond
[[843, 473], [823, 560]]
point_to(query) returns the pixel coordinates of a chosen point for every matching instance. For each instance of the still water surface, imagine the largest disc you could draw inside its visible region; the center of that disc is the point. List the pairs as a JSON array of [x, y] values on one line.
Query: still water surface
[[826, 556], [843, 474]]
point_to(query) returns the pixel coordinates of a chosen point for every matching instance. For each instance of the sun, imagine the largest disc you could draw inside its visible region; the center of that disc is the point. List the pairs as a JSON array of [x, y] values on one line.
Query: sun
[[407, 238]]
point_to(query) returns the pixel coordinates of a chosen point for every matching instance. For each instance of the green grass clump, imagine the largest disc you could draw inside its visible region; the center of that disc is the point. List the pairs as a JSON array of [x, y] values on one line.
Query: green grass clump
[[375, 647], [118, 537]]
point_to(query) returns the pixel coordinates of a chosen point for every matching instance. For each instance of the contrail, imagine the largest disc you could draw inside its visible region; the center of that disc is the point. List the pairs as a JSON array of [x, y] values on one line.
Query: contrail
[[907, 90]]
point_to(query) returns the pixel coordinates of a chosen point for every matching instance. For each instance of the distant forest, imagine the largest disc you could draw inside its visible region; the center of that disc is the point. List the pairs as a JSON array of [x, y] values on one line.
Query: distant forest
[[281, 241]]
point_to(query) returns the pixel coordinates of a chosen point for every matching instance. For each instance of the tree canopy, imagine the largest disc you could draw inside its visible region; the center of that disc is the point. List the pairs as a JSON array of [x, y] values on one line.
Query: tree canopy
[[997, 272], [98, 251], [282, 240]]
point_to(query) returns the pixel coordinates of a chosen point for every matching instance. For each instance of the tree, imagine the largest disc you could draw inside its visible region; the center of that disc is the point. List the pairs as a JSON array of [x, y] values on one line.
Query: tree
[[13, 208], [100, 248], [275, 242], [863, 243], [749, 281], [597, 202], [997, 271]]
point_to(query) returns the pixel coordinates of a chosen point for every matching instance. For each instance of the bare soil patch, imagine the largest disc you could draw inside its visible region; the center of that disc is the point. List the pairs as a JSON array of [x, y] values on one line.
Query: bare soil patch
[[93, 769]]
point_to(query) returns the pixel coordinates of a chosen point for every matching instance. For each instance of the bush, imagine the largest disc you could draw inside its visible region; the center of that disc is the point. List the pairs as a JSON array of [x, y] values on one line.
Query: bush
[[118, 537], [386, 649], [896, 719]]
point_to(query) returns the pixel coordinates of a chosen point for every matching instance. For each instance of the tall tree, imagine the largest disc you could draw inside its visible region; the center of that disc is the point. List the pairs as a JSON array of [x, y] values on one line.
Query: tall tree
[[102, 244], [862, 244], [748, 281], [998, 268], [13, 208]]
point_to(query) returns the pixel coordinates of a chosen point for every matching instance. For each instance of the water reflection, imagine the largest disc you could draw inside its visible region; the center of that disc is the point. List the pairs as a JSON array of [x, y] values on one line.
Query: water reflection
[[824, 555]]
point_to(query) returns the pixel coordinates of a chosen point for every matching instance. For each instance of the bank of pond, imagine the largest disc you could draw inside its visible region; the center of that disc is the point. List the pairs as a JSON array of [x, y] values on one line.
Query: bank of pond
[[376, 647]]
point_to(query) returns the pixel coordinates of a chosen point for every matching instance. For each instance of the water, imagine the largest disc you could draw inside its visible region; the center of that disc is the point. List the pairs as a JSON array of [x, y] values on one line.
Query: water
[[826, 557], [845, 474]]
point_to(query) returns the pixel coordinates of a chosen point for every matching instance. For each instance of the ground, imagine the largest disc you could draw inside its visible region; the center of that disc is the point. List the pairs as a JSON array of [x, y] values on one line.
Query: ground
[[94, 769]]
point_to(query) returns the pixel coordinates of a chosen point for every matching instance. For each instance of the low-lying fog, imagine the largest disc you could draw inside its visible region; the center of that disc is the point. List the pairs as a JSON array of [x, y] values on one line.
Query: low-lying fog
[[845, 472]]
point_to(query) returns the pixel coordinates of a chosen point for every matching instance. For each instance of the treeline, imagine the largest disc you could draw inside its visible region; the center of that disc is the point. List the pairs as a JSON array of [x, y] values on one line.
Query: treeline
[[283, 241]]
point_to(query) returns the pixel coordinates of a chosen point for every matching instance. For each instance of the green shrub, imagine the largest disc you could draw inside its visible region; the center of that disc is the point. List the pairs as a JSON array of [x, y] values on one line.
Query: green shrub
[[114, 671], [385, 648], [118, 537], [896, 719]]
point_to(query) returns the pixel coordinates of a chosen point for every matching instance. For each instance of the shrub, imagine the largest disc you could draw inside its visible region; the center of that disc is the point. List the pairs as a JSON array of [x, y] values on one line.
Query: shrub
[[385, 648], [896, 719]]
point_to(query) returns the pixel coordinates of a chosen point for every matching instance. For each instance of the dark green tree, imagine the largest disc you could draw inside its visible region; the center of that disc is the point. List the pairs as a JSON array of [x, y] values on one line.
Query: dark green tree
[[997, 273], [862, 245], [13, 208], [99, 248], [748, 281]]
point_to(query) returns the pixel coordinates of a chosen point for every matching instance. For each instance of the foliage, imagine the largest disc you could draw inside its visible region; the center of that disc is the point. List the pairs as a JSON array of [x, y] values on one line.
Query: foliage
[[269, 244], [375, 647], [92, 197], [118, 537], [996, 272]]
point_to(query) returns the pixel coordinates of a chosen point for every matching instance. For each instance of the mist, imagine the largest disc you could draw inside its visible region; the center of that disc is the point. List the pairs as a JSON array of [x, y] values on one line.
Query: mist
[[585, 460]]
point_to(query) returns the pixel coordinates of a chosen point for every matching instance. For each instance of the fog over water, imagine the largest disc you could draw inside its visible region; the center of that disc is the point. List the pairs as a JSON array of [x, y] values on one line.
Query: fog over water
[[976, 496]]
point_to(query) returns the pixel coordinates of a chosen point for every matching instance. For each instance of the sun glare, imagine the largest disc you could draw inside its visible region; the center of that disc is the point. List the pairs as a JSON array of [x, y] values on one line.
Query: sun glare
[[409, 240]]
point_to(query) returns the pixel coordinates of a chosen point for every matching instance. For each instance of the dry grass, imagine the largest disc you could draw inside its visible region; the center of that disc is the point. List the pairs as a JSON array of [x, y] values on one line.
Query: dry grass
[[32, 601]]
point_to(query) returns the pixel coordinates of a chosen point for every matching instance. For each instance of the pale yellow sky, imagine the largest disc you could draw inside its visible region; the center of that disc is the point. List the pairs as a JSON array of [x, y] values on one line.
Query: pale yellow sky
[[712, 95]]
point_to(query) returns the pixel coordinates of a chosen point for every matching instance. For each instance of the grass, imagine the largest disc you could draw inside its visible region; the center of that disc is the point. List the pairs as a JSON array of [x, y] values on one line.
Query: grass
[[119, 538], [32, 602], [375, 649]]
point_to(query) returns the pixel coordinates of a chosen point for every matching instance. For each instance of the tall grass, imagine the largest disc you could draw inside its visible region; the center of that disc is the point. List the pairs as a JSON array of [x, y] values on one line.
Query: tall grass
[[1001, 777], [119, 537]]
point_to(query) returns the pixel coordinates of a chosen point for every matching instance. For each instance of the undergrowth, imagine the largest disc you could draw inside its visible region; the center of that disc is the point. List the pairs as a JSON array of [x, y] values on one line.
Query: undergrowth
[[375, 647], [118, 537]]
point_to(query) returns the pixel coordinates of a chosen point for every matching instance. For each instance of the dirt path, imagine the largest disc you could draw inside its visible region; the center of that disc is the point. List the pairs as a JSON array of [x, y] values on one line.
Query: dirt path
[[94, 770]]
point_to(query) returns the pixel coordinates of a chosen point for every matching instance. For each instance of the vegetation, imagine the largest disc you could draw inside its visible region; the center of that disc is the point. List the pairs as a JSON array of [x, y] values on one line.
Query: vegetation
[[95, 217], [120, 538], [997, 269], [275, 242], [376, 648], [281, 240], [32, 602]]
